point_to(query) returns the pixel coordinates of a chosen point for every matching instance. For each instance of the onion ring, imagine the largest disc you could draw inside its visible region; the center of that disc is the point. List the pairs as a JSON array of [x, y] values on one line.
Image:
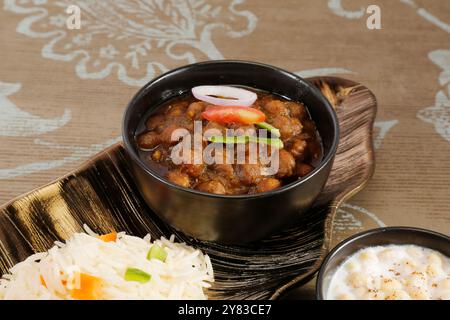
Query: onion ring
[[236, 96]]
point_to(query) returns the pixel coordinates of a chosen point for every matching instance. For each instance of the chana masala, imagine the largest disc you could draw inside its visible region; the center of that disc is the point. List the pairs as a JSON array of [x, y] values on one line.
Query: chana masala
[[289, 130]]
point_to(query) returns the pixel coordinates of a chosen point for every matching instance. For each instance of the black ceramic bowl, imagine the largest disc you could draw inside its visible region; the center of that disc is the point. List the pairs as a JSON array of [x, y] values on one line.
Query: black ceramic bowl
[[377, 237], [226, 218]]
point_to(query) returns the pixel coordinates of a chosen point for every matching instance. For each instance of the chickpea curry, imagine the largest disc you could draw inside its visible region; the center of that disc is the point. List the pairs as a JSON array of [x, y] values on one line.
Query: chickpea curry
[[290, 131]]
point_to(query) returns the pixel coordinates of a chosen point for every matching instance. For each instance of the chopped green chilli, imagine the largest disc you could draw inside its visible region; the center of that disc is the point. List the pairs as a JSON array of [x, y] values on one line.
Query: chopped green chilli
[[156, 252], [137, 275]]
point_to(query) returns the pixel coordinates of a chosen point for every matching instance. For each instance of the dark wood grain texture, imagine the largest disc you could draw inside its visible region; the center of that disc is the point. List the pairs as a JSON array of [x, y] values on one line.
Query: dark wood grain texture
[[102, 194]]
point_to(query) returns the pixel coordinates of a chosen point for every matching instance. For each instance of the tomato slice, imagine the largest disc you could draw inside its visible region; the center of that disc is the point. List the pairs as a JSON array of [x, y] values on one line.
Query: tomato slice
[[233, 114]]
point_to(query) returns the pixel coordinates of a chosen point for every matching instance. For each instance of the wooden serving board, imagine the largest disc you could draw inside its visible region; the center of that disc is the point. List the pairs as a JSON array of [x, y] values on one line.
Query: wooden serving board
[[101, 193]]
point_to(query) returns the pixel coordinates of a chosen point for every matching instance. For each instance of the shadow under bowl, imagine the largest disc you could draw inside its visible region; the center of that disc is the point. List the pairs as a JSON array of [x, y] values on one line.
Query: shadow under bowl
[[377, 237], [233, 219]]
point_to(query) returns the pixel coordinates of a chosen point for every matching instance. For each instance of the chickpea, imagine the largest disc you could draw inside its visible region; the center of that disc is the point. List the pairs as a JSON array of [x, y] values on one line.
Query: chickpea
[[268, 184], [345, 296], [387, 254], [388, 284], [417, 279], [435, 260], [352, 266], [276, 107], [433, 270], [368, 256], [212, 186], [286, 164], [248, 173], [303, 169], [157, 155], [194, 110], [373, 295], [445, 284], [418, 293], [288, 127], [224, 170], [179, 178], [357, 280], [148, 140], [176, 109], [296, 110], [167, 132], [397, 295], [193, 170], [298, 148], [154, 122], [414, 252]]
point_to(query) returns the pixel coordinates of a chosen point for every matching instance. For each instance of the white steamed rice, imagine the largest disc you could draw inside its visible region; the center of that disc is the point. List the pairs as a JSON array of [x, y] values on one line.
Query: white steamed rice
[[185, 274]]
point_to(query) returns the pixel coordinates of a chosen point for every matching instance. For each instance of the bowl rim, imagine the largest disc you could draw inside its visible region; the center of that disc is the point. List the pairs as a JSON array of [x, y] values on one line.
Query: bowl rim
[[327, 158], [330, 256]]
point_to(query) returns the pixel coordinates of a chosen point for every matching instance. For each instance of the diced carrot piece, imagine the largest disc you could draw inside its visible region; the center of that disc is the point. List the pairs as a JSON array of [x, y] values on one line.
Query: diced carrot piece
[[63, 282], [41, 278], [110, 237], [42, 281], [90, 288]]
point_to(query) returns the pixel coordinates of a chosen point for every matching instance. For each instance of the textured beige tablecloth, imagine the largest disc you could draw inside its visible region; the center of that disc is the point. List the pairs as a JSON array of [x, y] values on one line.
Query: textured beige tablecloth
[[62, 92]]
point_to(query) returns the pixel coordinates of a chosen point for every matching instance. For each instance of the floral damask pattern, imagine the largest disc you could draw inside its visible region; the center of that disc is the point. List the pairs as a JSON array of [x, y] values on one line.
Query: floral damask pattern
[[14, 122], [439, 113], [135, 40], [132, 39], [136, 48], [338, 9]]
